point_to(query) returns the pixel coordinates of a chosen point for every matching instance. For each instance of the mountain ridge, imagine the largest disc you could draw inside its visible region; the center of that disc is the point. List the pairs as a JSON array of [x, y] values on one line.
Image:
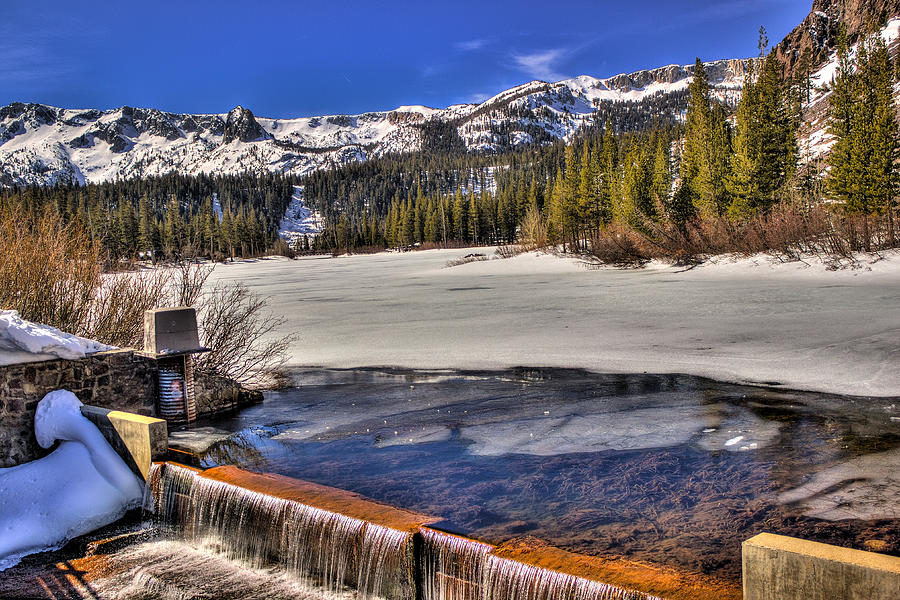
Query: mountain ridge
[[41, 144], [44, 145]]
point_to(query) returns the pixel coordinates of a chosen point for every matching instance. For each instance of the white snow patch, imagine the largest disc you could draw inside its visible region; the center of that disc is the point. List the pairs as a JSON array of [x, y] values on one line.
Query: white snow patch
[[217, 207], [24, 341], [299, 220], [80, 486]]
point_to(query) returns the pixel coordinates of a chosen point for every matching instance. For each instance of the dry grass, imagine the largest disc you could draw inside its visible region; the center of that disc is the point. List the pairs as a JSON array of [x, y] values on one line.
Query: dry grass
[[48, 272], [785, 233]]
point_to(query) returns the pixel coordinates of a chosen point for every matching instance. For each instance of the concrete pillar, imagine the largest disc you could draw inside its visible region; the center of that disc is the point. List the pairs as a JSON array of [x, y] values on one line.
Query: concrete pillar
[[778, 567], [139, 440]]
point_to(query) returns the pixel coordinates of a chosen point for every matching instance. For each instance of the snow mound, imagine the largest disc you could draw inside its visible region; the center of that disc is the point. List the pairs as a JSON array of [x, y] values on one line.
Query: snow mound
[[77, 488], [24, 341]]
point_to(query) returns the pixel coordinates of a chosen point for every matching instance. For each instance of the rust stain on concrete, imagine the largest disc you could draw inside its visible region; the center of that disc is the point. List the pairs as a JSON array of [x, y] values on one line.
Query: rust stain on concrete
[[349, 504]]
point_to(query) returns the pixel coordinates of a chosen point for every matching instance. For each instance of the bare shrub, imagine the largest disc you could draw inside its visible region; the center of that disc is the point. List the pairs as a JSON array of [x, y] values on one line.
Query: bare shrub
[[468, 258], [534, 234], [282, 248], [187, 281], [116, 313], [241, 335], [509, 251], [52, 273], [619, 246], [786, 233], [49, 272]]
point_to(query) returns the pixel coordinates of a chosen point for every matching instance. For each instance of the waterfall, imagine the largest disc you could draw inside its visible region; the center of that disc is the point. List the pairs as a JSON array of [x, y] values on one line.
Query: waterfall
[[452, 567], [456, 568], [168, 490], [384, 556], [512, 580], [325, 549], [345, 557]]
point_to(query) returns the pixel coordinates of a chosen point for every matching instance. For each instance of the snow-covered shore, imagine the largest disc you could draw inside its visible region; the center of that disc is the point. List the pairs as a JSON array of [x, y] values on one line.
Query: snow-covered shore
[[752, 320]]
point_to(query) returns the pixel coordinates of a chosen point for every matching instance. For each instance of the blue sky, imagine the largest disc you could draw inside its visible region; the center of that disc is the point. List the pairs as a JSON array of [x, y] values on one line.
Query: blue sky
[[302, 58]]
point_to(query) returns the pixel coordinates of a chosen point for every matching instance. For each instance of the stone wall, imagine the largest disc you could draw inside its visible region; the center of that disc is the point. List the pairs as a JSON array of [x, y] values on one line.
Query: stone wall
[[120, 380], [215, 394], [124, 380]]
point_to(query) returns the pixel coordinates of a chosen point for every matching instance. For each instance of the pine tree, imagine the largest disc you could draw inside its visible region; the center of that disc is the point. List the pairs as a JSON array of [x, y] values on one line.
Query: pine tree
[[460, 216], [637, 203], [588, 199], [557, 217], [608, 170], [661, 179], [147, 236], [696, 132], [473, 218], [704, 162], [765, 151], [883, 177], [842, 125], [172, 230]]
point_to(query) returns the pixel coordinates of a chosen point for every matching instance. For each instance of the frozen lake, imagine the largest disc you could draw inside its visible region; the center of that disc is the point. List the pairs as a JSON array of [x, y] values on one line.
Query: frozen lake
[[795, 325]]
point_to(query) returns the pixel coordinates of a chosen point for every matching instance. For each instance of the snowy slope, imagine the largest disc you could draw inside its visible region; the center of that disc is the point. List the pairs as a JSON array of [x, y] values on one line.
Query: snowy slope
[[43, 145], [299, 220], [561, 109], [815, 111]]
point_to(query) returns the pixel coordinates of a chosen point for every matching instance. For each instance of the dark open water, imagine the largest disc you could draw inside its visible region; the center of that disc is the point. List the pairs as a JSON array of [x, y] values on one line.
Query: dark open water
[[672, 469]]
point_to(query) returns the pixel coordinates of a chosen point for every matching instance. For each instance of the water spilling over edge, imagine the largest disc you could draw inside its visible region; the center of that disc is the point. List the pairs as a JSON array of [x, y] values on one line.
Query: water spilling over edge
[[343, 555]]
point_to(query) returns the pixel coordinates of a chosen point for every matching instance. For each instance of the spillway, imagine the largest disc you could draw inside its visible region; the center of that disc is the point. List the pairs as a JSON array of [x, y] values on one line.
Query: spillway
[[345, 556]]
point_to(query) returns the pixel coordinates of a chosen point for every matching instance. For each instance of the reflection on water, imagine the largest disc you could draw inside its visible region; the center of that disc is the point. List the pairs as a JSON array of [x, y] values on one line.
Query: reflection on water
[[672, 469]]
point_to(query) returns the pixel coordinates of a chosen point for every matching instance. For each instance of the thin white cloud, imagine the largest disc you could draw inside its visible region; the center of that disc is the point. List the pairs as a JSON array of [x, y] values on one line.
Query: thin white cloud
[[470, 45], [542, 65], [28, 64], [477, 98], [27, 57]]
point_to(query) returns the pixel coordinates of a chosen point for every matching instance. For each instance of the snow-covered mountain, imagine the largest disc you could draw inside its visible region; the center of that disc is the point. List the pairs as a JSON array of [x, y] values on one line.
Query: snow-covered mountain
[[44, 145], [815, 141]]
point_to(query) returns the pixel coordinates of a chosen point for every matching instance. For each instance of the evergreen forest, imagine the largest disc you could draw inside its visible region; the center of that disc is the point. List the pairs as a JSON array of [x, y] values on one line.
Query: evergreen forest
[[722, 178]]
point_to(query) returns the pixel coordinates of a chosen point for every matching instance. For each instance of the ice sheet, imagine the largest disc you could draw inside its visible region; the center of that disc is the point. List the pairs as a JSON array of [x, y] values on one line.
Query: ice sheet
[[754, 320]]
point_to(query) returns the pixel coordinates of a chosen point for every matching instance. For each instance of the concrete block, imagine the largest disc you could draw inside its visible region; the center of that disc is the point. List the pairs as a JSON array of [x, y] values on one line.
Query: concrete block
[[778, 567], [139, 440], [171, 330]]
